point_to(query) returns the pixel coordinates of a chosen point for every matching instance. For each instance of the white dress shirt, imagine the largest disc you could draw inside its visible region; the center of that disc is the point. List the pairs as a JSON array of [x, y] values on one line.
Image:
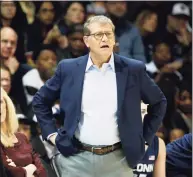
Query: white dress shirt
[[98, 124]]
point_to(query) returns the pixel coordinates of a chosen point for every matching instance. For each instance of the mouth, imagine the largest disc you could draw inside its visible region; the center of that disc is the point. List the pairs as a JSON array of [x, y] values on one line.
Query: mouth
[[104, 47]]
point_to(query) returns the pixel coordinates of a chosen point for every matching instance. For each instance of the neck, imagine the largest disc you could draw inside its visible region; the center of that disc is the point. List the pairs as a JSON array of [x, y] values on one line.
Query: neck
[[6, 22], [98, 60]]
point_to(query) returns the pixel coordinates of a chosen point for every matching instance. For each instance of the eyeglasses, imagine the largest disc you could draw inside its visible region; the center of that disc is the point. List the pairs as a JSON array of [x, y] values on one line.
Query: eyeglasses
[[99, 36]]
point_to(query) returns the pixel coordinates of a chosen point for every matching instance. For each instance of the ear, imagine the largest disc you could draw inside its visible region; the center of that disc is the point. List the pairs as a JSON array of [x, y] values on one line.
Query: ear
[[85, 39]]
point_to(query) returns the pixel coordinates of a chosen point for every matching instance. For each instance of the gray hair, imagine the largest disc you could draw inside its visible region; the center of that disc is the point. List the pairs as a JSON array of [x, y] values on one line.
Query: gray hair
[[97, 19]]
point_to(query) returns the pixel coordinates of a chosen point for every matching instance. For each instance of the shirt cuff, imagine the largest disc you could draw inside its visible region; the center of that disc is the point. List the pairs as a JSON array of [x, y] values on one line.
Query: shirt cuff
[[48, 137]]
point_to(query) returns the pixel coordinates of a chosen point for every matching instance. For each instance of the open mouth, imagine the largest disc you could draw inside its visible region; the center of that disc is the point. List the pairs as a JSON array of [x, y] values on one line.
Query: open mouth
[[104, 46]]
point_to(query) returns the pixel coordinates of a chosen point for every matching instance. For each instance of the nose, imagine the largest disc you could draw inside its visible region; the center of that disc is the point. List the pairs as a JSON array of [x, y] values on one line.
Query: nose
[[104, 38]]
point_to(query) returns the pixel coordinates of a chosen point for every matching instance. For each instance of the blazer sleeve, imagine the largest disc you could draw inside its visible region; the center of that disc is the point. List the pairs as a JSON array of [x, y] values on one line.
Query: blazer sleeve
[[153, 96], [13, 171], [43, 101]]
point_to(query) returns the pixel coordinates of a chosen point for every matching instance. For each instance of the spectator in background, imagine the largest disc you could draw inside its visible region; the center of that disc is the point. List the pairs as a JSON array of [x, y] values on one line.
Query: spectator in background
[[179, 157], [76, 47], [29, 128], [163, 61], [163, 70], [5, 78], [45, 60], [6, 83], [14, 147], [74, 13], [182, 116], [161, 57], [127, 35], [176, 31], [42, 31], [147, 23], [7, 56], [9, 18]]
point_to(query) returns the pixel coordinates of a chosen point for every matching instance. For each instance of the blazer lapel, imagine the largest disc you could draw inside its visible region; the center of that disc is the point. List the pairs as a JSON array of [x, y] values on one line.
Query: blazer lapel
[[121, 70], [78, 76]]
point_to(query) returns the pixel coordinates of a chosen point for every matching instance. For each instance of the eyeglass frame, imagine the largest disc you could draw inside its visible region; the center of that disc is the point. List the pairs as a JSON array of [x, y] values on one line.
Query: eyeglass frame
[[104, 33]]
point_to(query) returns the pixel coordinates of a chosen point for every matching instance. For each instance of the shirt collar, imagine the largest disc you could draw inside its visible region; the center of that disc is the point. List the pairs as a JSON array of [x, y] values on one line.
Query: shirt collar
[[111, 63]]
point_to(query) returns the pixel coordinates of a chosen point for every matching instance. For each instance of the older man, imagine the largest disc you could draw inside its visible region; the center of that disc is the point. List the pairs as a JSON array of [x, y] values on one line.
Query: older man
[[7, 56], [100, 96]]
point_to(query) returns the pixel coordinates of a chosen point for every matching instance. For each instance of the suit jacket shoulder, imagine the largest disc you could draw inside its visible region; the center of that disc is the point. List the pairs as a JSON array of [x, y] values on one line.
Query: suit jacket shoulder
[[132, 64]]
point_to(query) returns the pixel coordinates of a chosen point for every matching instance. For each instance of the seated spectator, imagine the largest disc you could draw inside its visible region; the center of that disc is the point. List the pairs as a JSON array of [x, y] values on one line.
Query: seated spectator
[[5, 78], [76, 47], [74, 13], [179, 157], [127, 35], [6, 83], [147, 22], [182, 116], [9, 18], [41, 30], [45, 60], [175, 134], [14, 147], [7, 56], [28, 127], [162, 62], [176, 30]]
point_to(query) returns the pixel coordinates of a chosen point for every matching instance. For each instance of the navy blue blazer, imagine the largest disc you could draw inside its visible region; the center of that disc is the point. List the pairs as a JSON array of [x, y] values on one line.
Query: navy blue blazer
[[133, 85]]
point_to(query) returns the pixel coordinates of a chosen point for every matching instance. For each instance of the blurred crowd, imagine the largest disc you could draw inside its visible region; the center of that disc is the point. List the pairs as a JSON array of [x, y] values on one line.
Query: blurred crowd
[[35, 36]]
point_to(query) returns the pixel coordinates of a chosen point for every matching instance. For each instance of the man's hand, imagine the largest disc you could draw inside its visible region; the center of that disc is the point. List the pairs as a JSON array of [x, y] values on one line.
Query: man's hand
[[184, 36], [12, 64]]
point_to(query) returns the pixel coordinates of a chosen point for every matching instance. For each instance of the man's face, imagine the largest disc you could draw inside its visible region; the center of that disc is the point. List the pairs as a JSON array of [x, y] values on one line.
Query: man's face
[[76, 42], [117, 8], [46, 63], [46, 13], [177, 22], [8, 10], [162, 54], [5, 80], [8, 44], [101, 40], [75, 13]]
